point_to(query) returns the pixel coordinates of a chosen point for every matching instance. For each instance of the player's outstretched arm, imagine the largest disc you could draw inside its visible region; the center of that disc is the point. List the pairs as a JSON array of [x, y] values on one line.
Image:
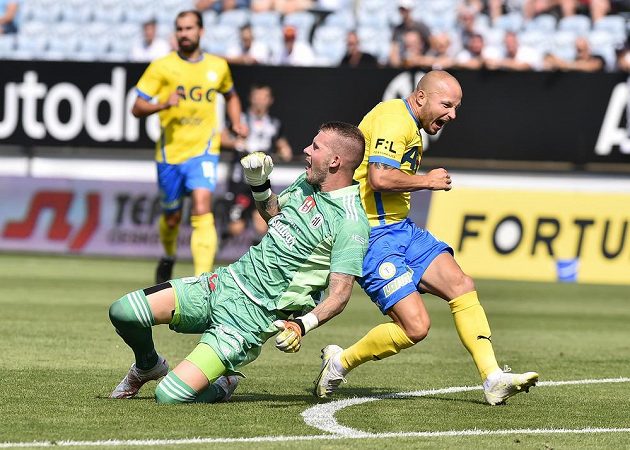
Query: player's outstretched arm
[[256, 168], [339, 291], [289, 340], [385, 178]]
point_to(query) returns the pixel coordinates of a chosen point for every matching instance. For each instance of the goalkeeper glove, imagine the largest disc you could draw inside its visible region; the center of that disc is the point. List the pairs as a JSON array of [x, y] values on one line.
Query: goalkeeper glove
[[256, 168], [289, 340]]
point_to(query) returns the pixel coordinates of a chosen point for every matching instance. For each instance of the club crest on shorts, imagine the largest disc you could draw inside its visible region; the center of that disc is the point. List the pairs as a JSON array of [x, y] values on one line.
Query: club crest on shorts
[[387, 270], [307, 205]]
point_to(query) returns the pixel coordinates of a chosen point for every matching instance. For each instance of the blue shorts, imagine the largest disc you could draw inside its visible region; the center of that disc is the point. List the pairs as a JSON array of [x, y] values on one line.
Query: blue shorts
[[177, 180], [397, 256]]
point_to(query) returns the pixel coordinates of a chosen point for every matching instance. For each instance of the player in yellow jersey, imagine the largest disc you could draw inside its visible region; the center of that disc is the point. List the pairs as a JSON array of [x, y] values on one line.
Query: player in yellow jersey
[[185, 85], [403, 260]]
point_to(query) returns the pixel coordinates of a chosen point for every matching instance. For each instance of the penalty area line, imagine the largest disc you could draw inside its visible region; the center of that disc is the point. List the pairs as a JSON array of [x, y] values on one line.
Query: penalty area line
[[318, 437]]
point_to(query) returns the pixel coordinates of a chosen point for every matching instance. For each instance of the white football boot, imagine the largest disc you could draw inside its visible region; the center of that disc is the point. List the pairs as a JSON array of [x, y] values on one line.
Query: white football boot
[[498, 387], [136, 378], [329, 377]]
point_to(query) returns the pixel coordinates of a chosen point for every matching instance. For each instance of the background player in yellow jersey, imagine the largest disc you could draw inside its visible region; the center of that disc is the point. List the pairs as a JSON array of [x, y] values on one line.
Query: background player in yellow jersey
[[403, 260], [185, 84]]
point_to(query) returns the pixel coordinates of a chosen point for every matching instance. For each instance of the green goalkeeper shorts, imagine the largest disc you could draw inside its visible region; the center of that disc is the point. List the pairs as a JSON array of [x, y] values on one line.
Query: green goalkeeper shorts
[[233, 325]]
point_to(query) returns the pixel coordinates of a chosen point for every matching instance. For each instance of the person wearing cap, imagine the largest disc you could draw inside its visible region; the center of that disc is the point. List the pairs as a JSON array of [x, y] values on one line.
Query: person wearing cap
[[293, 52], [408, 23]]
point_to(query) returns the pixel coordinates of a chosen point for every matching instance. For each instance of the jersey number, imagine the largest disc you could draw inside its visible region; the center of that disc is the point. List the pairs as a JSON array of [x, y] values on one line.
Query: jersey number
[[411, 156]]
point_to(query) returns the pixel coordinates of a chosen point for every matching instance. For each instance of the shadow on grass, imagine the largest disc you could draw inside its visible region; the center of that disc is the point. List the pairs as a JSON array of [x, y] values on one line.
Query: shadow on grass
[[308, 399]]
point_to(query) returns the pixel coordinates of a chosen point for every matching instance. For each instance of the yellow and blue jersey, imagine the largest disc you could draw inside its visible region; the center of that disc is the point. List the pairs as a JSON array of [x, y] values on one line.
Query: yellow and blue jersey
[[392, 137], [189, 129]]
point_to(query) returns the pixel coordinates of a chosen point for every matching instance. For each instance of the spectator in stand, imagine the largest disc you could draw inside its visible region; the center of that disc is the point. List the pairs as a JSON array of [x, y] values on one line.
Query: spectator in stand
[[514, 56], [9, 16], [585, 60], [407, 24], [412, 52], [281, 6], [221, 5], [151, 46], [293, 52], [471, 57], [465, 26], [265, 135], [440, 54], [595, 9], [290, 6], [248, 51], [354, 57], [535, 8]]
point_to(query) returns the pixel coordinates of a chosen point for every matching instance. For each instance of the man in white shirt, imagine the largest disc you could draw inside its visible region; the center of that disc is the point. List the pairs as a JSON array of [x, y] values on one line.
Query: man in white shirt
[[150, 47], [293, 51]]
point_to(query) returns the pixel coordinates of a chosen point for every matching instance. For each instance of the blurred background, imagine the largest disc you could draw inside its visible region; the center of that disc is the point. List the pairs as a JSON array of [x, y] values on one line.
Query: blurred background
[[539, 154]]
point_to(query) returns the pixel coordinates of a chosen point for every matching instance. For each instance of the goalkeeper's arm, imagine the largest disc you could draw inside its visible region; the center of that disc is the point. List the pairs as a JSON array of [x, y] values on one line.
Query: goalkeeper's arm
[[256, 168], [340, 289]]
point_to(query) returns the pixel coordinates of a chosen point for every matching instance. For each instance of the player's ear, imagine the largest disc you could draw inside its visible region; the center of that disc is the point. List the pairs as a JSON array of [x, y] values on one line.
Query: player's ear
[[335, 161], [420, 97]]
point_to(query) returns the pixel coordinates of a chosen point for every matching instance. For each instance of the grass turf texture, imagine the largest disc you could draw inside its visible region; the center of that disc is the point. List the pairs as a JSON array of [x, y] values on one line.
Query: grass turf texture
[[61, 359]]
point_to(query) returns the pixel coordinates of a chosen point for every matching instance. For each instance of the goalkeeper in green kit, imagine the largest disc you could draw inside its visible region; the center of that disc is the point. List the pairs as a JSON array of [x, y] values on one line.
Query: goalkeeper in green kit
[[317, 238]]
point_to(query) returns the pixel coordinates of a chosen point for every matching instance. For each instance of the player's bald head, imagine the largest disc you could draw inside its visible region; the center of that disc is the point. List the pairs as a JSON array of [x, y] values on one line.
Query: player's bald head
[[439, 81]]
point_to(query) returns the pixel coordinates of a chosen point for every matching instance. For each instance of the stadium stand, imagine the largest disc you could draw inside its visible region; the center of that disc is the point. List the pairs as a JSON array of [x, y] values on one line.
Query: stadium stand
[[96, 30]]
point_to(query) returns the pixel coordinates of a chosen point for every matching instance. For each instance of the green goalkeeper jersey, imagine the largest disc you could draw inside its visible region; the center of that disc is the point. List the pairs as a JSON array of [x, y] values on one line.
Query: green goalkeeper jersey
[[314, 234]]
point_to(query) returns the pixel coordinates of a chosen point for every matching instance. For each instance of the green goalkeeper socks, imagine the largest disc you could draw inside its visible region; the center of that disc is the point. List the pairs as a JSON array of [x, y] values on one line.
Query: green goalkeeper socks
[[173, 390], [132, 318]]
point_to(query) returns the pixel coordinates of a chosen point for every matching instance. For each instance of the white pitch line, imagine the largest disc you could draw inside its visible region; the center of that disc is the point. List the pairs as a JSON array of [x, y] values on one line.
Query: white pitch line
[[315, 437], [322, 416], [326, 413]]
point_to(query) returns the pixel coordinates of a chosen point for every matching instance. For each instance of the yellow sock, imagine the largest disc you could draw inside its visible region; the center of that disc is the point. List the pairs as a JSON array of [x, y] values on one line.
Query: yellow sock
[[203, 242], [382, 341], [474, 331], [168, 237]]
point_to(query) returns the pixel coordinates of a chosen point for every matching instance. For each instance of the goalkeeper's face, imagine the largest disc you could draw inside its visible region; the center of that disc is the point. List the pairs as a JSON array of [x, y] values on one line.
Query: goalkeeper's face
[[318, 158]]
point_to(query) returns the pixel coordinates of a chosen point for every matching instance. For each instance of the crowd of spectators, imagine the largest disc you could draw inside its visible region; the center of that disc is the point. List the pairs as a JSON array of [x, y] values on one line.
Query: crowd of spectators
[[584, 35]]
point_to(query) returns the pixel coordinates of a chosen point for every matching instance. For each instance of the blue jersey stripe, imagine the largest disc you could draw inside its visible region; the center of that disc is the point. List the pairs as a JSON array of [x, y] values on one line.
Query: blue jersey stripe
[[142, 95], [378, 201], [410, 111], [384, 160]]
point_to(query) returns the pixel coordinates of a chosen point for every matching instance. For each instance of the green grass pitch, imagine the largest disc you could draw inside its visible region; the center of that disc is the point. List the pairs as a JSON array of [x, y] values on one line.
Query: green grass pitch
[[61, 358]]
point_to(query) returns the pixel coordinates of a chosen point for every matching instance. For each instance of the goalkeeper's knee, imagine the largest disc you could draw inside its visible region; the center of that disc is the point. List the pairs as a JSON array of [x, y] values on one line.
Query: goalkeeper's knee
[[173, 390], [131, 311]]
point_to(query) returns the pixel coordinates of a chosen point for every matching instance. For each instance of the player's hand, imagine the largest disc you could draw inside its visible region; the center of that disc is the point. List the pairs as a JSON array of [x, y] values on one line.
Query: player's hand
[[173, 100], [289, 340], [256, 167], [240, 129], [438, 180]]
